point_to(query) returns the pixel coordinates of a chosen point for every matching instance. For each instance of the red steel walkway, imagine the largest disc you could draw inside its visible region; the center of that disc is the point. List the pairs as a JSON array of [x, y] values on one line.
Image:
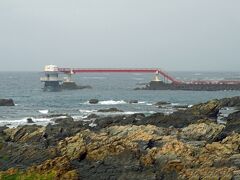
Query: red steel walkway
[[165, 75]]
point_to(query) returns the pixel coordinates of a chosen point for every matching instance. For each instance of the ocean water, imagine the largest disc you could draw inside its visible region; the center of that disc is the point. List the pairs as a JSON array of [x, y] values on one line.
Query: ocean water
[[113, 90]]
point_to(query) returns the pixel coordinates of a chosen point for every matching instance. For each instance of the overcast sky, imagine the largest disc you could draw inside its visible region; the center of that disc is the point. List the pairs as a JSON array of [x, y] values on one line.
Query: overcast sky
[[170, 34]]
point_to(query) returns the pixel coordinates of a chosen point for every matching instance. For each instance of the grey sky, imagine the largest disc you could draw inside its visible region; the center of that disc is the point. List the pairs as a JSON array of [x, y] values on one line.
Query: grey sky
[[170, 34]]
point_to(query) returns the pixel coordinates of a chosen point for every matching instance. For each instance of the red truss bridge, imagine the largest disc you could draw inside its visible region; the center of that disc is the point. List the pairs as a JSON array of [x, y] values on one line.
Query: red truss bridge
[[52, 71], [165, 76]]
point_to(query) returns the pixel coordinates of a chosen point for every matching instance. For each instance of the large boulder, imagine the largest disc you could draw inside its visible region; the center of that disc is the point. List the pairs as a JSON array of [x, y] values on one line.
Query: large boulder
[[6, 102]]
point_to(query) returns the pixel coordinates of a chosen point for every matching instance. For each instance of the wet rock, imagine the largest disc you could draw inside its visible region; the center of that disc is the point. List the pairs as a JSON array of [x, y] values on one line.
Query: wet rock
[[62, 120], [162, 103], [231, 102], [178, 119], [6, 102], [56, 115], [30, 121], [110, 110], [133, 102], [93, 101], [180, 106], [233, 123]]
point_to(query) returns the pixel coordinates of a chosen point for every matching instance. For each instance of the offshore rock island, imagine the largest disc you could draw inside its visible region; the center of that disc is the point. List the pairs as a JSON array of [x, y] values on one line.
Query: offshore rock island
[[187, 144]]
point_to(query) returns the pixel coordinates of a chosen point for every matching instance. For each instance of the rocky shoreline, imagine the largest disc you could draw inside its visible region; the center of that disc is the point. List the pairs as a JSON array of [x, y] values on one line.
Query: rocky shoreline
[[187, 144]]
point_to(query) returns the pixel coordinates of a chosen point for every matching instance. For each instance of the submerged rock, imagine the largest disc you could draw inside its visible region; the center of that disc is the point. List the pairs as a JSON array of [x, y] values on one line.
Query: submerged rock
[[93, 101], [162, 103], [133, 102], [6, 102], [110, 110], [30, 121]]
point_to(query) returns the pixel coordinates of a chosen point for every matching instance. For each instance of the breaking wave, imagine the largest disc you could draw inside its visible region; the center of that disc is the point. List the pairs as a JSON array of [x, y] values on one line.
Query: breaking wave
[[112, 102]]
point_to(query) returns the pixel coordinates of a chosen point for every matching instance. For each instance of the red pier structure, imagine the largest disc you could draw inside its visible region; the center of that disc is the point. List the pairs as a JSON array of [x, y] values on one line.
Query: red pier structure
[[157, 71], [51, 78]]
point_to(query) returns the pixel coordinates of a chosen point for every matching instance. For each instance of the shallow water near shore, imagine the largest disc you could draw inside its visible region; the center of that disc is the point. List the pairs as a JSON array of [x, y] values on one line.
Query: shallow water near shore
[[113, 90]]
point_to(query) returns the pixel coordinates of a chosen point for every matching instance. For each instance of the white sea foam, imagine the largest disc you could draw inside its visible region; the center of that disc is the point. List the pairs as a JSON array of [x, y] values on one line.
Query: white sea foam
[[112, 102], [79, 117], [19, 122], [86, 111], [44, 111], [92, 124]]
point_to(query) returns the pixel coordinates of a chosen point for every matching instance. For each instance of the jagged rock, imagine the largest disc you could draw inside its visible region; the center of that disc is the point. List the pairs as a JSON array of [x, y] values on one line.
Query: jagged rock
[[58, 168], [177, 119], [93, 101], [30, 134], [177, 146], [209, 109], [231, 102], [111, 141], [202, 131], [233, 123], [6, 102]]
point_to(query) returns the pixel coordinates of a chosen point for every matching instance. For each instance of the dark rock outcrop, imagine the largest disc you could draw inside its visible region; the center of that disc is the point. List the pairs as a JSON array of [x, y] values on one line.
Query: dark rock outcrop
[[110, 110], [29, 120], [6, 102], [162, 103], [133, 102], [93, 101], [233, 123]]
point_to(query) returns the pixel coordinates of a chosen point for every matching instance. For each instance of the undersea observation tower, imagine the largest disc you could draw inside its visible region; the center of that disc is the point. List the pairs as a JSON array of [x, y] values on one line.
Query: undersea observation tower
[[52, 82]]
